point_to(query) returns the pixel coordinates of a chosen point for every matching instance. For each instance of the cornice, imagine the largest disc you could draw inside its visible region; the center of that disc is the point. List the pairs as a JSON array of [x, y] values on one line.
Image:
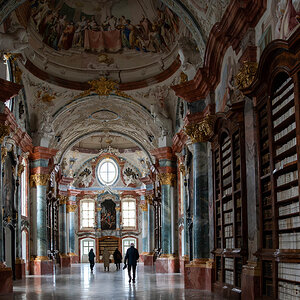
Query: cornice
[[163, 153], [237, 19]]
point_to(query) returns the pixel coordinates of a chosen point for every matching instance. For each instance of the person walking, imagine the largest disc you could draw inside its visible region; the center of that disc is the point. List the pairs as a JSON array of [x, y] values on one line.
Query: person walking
[[105, 258], [92, 259], [117, 258], [132, 255]]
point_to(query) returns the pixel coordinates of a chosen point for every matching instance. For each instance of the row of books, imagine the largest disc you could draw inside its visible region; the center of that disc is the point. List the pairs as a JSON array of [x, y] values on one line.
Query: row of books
[[228, 218], [238, 202], [267, 200], [288, 209], [290, 240], [226, 170], [289, 223], [229, 279], [285, 161], [226, 161], [290, 193], [226, 181], [280, 96], [286, 146], [265, 158], [288, 291], [229, 263], [228, 231], [268, 213], [283, 103], [285, 131], [286, 178], [283, 117], [226, 152], [226, 142], [229, 243], [289, 271], [228, 205], [227, 191]]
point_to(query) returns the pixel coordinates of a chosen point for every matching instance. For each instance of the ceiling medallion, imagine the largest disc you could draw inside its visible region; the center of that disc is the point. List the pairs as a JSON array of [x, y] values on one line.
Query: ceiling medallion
[[104, 87]]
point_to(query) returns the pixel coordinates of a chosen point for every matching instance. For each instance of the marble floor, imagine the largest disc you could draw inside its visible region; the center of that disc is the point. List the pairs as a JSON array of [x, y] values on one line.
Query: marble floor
[[78, 282]]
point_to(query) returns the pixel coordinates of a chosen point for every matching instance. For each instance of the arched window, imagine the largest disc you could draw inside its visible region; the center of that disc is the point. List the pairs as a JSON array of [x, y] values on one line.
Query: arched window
[[129, 213], [24, 189], [87, 214], [108, 171], [9, 77]]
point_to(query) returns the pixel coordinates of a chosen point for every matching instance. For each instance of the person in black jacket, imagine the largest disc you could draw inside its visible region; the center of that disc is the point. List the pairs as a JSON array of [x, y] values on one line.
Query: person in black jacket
[[92, 259], [132, 255], [117, 258]]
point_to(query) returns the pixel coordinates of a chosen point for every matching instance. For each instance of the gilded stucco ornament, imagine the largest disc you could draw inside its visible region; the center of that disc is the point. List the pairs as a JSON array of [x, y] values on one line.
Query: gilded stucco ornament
[[201, 132], [183, 78], [71, 208], [21, 169], [149, 199], [3, 154], [104, 87], [182, 169], [246, 75], [63, 199], [39, 179], [167, 178], [144, 206], [4, 131]]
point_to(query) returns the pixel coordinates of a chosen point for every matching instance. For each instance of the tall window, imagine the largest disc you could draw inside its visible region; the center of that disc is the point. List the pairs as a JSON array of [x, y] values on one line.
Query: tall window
[[24, 189], [129, 213], [87, 214], [9, 77], [126, 244], [107, 171], [88, 245]]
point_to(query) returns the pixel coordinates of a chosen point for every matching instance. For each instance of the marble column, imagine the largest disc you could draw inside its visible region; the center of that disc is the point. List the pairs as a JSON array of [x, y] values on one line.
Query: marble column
[[71, 208], [41, 263], [98, 209], [6, 276], [145, 229], [199, 273], [63, 242], [19, 262]]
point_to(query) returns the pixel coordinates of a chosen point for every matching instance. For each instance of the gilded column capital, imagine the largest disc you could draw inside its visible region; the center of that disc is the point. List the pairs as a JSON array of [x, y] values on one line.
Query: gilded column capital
[[4, 131], [202, 131], [118, 208], [167, 178], [71, 208], [98, 208], [39, 179], [246, 75], [144, 206], [149, 199], [63, 199]]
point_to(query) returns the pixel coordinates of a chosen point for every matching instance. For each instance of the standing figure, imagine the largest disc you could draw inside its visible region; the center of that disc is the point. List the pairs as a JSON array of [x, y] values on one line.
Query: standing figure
[[117, 258], [92, 259], [132, 255], [105, 258]]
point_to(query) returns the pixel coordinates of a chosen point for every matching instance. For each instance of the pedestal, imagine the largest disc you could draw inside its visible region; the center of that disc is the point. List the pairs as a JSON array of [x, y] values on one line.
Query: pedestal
[[149, 259], [41, 266], [199, 275], [167, 264], [64, 261], [74, 258], [184, 260], [20, 268], [6, 279], [250, 281]]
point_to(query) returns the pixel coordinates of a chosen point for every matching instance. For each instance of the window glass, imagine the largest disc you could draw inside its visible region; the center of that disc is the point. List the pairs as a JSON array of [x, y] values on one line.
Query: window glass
[[87, 214], [107, 171], [129, 213]]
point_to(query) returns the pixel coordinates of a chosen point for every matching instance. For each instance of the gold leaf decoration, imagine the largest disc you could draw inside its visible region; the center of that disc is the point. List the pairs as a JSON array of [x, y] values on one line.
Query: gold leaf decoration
[[246, 75], [71, 208], [201, 132], [4, 131], [167, 178], [39, 179]]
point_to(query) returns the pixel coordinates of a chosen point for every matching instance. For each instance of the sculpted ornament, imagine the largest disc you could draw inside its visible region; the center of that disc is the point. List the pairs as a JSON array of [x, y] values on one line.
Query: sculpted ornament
[[201, 132], [71, 208], [4, 131], [167, 178], [246, 75], [39, 179]]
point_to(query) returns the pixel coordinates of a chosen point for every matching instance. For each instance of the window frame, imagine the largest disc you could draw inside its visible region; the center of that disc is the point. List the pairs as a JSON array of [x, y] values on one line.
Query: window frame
[[116, 175], [89, 219], [128, 200]]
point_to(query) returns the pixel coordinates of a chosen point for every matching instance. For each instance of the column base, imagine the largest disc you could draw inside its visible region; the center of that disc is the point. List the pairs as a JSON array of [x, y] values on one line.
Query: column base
[[250, 281], [6, 279], [74, 258], [148, 259], [184, 260], [64, 260], [20, 268], [199, 274], [167, 263], [41, 265]]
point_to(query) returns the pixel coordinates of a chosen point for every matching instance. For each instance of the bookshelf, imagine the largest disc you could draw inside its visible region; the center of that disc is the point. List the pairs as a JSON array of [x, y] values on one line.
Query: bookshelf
[[229, 200], [278, 127], [111, 243]]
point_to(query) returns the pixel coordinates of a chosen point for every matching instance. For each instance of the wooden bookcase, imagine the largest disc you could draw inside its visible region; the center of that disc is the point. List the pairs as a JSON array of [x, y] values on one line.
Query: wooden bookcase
[[230, 212], [278, 149]]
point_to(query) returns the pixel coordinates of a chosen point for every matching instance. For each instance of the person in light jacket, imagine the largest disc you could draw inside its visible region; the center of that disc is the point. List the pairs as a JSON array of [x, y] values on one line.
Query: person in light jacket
[[105, 258]]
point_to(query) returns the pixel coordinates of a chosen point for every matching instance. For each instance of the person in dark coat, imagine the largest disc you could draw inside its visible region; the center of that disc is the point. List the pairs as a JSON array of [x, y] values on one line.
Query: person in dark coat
[[92, 259], [117, 258], [131, 257]]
